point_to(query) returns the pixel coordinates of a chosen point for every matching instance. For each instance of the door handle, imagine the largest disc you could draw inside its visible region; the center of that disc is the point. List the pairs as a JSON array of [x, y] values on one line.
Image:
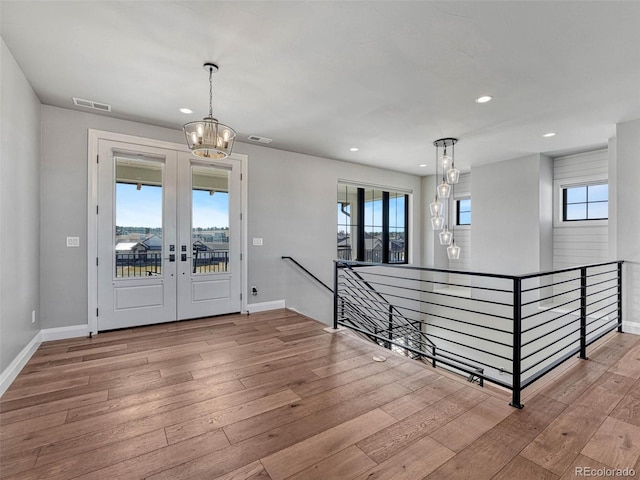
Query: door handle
[[183, 257], [172, 258]]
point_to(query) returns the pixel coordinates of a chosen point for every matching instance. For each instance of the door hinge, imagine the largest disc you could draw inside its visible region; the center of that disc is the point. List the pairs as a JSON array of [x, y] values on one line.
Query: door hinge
[[240, 257], [97, 312], [96, 209], [240, 176], [97, 158], [96, 261], [240, 216], [240, 296]]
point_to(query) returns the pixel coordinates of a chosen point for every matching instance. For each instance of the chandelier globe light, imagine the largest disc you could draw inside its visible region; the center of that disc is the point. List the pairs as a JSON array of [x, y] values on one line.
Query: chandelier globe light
[[445, 160], [446, 236], [208, 138], [444, 189], [440, 215], [436, 208], [453, 175], [453, 251]]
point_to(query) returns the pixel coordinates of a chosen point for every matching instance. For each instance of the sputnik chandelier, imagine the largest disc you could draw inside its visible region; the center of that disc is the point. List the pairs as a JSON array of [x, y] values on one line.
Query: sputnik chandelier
[[442, 206], [209, 138]]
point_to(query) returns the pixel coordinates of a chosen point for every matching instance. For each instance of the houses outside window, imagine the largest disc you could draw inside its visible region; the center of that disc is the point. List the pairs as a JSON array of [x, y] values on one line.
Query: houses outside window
[[372, 224]]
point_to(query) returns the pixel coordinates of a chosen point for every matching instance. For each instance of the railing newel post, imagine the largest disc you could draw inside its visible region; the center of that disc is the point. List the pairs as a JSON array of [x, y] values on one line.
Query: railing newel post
[[583, 313], [390, 323], [335, 295], [619, 297], [517, 343]]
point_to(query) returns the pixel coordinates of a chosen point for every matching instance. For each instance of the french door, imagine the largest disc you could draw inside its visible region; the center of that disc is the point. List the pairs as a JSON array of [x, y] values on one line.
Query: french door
[[168, 235]]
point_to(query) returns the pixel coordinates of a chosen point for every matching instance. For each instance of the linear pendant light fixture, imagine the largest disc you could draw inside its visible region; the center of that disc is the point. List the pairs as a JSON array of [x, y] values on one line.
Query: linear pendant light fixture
[[441, 214], [209, 138]]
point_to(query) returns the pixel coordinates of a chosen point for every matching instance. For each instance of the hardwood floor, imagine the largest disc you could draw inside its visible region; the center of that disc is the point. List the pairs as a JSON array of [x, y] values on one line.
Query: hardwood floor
[[273, 396]]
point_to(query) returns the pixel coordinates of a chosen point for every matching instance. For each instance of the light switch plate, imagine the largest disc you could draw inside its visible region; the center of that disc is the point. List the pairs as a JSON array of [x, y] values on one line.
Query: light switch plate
[[257, 242], [73, 241]]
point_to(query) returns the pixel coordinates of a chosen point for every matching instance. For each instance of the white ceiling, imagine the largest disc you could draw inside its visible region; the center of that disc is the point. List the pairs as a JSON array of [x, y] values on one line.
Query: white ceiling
[[388, 77]]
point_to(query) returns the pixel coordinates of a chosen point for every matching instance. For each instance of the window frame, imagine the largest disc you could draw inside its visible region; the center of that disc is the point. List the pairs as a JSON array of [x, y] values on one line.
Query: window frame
[[457, 216], [359, 227], [559, 195]]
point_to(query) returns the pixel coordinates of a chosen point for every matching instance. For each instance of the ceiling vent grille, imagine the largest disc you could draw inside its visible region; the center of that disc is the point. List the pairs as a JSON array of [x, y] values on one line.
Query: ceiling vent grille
[[103, 107], [259, 139]]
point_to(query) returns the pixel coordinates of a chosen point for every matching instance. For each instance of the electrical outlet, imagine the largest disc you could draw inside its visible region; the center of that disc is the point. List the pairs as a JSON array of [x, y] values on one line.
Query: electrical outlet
[[254, 291], [73, 241]]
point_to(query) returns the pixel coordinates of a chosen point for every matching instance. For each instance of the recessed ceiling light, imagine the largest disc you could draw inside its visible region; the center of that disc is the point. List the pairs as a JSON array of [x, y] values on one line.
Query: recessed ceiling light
[[354, 149], [550, 134], [422, 165], [186, 110], [484, 99]]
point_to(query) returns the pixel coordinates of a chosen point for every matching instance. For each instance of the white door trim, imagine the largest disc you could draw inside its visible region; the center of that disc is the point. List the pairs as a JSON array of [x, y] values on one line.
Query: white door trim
[[92, 218]]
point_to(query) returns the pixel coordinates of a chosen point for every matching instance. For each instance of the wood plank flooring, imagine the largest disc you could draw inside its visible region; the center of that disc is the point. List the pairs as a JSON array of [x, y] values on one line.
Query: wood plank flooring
[[275, 396]]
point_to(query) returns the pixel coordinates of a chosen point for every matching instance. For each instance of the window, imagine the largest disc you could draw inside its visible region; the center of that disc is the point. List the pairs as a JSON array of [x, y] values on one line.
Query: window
[[372, 225], [463, 211], [585, 202]]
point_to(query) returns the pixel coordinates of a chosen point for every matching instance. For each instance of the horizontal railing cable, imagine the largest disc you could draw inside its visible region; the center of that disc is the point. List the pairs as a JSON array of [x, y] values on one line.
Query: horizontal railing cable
[[373, 274], [500, 329]]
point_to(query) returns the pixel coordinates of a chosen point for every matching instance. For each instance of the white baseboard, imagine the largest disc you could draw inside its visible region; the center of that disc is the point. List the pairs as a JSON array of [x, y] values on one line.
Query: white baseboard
[[62, 333], [631, 327], [264, 306], [11, 372]]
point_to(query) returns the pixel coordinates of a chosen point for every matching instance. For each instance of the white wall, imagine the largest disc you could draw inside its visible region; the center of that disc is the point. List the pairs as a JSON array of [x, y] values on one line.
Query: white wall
[[63, 299], [19, 210], [292, 206], [628, 225], [511, 216]]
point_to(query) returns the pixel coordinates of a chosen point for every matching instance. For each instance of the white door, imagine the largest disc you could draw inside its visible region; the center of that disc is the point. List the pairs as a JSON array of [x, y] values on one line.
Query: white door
[[209, 231], [165, 253]]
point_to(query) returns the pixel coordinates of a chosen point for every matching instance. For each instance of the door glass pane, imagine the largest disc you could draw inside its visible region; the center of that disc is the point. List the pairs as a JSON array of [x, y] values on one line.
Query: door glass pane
[[138, 235], [210, 219]]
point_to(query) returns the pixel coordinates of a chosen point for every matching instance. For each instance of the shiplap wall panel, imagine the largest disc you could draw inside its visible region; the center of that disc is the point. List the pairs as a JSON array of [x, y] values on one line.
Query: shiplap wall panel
[[579, 243], [462, 234]]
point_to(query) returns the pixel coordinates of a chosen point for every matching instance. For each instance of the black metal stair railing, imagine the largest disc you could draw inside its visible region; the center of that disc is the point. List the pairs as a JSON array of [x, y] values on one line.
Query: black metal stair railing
[[377, 314], [507, 329], [381, 315]]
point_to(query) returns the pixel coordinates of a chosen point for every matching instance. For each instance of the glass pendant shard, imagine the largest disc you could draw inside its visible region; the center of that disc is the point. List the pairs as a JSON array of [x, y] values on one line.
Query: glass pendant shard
[[445, 236], [444, 190], [453, 251], [437, 223], [436, 208], [453, 175], [445, 162]]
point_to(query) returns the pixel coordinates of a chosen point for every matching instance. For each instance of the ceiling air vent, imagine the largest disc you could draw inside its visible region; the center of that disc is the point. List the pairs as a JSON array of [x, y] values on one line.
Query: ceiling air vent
[[256, 138], [103, 107]]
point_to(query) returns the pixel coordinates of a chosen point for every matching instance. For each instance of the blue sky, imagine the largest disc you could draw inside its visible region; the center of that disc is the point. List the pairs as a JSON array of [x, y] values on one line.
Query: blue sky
[[143, 208]]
